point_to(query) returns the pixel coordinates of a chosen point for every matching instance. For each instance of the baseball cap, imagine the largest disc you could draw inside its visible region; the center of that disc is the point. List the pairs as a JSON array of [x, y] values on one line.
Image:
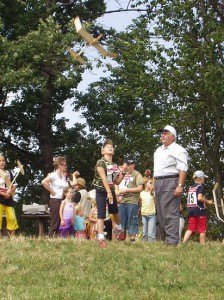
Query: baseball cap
[[169, 128], [81, 182], [199, 174], [129, 160]]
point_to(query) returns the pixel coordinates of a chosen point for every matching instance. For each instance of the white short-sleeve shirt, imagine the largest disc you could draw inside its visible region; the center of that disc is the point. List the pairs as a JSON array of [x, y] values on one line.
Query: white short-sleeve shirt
[[170, 160], [57, 184]]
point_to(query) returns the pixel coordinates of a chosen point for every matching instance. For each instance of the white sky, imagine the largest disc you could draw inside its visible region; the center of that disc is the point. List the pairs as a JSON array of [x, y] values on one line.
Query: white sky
[[119, 21]]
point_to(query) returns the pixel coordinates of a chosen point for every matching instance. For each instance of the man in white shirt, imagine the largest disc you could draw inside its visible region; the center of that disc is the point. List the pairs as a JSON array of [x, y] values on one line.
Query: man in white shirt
[[170, 170]]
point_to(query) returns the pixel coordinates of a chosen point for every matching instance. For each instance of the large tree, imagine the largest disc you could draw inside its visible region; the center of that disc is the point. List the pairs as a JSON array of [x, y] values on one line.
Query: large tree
[[37, 76]]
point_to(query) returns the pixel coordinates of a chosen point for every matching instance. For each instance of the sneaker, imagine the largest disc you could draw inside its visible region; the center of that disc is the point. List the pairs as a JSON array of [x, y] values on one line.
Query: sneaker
[[119, 234], [102, 243]]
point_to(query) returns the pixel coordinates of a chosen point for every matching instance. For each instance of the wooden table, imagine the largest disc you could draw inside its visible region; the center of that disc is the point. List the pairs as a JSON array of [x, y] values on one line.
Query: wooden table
[[40, 218]]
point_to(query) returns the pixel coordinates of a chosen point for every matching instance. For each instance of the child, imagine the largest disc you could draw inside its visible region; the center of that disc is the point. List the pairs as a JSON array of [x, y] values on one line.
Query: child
[[148, 212], [107, 174], [93, 222], [197, 220], [6, 200], [80, 224], [67, 213]]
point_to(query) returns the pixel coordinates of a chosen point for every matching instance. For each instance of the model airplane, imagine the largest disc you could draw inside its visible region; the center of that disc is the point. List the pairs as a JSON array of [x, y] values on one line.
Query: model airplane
[[91, 40], [77, 55]]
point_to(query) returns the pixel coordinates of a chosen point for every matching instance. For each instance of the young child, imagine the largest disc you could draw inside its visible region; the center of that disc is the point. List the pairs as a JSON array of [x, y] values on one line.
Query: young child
[[6, 200], [93, 222], [67, 213], [80, 224], [107, 174], [148, 212], [197, 220]]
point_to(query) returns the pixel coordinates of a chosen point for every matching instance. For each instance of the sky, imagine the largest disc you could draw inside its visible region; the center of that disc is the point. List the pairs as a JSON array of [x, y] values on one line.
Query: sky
[[119, 21]]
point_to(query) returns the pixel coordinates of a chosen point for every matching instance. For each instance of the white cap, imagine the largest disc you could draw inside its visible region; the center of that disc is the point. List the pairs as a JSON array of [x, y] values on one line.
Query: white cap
[[169, 128], [199, 174]]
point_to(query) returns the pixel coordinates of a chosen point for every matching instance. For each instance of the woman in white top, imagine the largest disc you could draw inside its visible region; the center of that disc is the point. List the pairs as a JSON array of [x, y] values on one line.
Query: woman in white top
[[148, 212], [55, 182]]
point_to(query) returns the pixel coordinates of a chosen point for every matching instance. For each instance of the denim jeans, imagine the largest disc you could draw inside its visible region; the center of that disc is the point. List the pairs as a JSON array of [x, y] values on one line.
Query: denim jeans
[[149, 228], [129, 217]]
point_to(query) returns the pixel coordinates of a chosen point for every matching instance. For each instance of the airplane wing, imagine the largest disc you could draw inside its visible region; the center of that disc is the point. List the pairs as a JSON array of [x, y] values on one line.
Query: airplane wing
[[20, 167], [76, 56], [103, 51], [90, 39]]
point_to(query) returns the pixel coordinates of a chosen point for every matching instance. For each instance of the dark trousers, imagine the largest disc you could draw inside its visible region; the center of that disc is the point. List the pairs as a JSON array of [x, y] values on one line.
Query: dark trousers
[[168, 208], [54, 206]]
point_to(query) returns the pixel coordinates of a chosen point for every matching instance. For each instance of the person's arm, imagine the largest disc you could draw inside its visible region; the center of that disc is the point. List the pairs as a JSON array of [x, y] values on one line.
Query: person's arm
[[102, 174], [152, 187], [91, 216], [202, 199], [73, 221], [6, 195], [61, 212], [119, 178], [74, 178], [13, 189], [46, 184], [140, 201], [135, 190], [180, 187]]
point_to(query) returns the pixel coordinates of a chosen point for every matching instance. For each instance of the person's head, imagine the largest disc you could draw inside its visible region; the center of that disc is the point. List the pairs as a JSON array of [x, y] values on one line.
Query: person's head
[[68, 192], [107, 148], [60, 163], [199, 177], [148, 183], [79, 210], [146, 176], [2, 161], [168, 135], [130, 161], [80, 184]]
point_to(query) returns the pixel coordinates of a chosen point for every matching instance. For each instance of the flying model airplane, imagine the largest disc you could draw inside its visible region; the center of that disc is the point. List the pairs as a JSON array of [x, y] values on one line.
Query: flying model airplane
[[91, 40], [77, 55]]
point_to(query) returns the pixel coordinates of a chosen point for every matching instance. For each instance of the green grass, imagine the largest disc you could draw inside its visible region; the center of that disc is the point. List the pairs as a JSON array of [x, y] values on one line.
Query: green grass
[[34, 268]]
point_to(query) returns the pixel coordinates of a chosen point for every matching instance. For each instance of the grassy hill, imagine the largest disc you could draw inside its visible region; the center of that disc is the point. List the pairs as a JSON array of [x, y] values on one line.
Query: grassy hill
[[34, 268]]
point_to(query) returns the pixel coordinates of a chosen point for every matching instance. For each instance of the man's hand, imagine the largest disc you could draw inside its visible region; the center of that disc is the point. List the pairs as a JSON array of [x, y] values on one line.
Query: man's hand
[[178, 191]]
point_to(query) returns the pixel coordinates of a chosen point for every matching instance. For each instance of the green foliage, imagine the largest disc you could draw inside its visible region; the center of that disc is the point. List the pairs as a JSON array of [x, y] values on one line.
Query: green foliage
[[37, 76]]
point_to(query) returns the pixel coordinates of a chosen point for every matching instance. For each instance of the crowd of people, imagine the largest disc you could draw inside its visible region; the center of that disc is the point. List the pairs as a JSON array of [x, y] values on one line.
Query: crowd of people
[[120, 193]]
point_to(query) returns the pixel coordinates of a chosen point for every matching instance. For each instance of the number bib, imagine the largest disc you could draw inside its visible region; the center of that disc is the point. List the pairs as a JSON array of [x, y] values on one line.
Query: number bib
[[192, 200], [112, 172]]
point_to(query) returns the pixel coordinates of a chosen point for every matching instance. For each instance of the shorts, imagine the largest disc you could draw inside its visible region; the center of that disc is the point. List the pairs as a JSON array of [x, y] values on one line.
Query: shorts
[[102, 202], [198, 224]]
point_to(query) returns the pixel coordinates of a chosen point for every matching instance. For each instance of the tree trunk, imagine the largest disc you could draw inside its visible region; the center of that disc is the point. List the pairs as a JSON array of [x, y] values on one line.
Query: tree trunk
[[44, 133]]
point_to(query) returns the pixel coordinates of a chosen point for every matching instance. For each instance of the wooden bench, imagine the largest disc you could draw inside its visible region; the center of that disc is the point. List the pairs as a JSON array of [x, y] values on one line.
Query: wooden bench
[[40, 218]]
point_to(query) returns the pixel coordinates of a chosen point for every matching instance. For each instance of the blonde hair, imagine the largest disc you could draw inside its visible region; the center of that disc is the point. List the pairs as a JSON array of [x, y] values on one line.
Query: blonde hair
[[58, 161]]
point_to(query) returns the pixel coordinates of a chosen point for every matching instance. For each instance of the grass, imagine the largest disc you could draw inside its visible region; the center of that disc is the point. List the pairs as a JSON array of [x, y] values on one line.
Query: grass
[[34, 268]]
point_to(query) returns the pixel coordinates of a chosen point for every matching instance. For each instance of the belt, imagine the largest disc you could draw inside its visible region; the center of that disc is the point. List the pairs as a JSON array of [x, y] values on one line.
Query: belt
[[167, 176]]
